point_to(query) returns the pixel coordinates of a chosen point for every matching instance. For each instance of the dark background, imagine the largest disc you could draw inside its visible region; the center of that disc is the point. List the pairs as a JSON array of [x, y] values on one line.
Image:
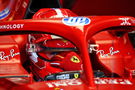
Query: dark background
[[105, 7], [86, 7]]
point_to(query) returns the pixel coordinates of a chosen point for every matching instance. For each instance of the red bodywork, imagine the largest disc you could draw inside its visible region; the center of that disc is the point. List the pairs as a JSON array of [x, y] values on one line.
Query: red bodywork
[[80, 38], [98, 42]]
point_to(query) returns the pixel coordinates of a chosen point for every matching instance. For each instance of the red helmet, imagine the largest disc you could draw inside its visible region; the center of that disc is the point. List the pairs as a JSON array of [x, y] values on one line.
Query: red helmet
[[53, 13], [57, 51], [48, 43], [50, 40]]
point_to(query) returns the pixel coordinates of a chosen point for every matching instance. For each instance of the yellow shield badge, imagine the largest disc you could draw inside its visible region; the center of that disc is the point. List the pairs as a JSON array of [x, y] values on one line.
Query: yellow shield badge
[[76, 75], [75, 59]]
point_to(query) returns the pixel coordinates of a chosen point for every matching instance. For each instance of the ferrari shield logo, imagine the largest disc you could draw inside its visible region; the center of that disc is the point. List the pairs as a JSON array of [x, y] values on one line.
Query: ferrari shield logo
[[76, 75], [75, 59]]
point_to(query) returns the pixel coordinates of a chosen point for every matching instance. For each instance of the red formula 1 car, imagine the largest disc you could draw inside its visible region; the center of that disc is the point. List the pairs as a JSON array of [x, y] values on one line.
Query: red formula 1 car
[[58, 50]]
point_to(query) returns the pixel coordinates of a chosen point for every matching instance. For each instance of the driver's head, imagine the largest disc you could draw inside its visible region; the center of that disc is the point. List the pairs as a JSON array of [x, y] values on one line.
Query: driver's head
[[53, 13], [58, 51], [45, 44], [51, 47], [49, 42]]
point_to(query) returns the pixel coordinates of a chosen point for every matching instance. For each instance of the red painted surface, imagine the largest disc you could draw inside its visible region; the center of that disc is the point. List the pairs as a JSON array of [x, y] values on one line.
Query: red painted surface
[[97, 24], [115, 53]]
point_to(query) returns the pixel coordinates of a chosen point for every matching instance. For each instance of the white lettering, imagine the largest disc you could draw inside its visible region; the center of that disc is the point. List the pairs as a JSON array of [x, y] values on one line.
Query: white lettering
[[12, 26], [125, 21], [12, 54], [127, 82], [113, 81], [111, 52], [22, 25], [60, 84], [102, 52], [68, 82], [64, 76], [49, 85], [75, 83]]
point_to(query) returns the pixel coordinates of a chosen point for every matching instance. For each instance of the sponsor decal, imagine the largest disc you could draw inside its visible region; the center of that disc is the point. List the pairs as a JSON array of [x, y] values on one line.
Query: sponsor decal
[[75, 59], [125, 21], [102, 52], [63, 76], [12, 26], [71, 82], [93, 47], [76, 75], [113, 81], [4, 13], [73, 21], [74, 82], [11, 55], [67, 76]]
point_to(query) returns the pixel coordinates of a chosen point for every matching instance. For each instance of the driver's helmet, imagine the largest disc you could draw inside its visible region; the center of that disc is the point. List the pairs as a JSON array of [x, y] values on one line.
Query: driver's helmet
[[51, 48], [53, 13], [57, 51]]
